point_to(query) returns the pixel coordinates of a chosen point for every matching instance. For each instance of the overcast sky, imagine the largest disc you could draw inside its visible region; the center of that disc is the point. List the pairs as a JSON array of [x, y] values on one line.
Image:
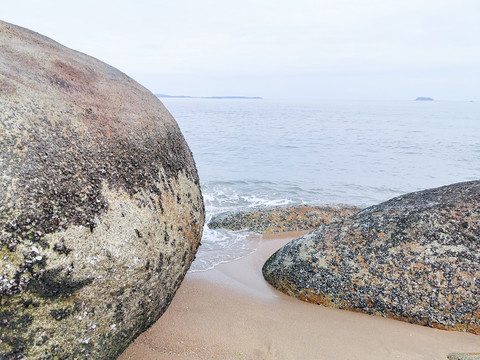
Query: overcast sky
[[324, 49]]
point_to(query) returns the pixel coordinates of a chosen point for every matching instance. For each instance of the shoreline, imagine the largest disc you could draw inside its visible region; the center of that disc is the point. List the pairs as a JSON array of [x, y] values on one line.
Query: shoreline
[[231, 312]]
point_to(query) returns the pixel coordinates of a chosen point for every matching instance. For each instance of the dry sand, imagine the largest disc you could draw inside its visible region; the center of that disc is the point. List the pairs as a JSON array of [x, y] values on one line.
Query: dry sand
[[230, 312]]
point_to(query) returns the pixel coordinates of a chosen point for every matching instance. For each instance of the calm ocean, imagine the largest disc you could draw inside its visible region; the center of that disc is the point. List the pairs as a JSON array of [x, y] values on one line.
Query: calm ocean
[[252, 153]]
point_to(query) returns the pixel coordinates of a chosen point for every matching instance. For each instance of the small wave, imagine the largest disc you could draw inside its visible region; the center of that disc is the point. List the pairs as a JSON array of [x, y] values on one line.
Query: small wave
[[220, 246]]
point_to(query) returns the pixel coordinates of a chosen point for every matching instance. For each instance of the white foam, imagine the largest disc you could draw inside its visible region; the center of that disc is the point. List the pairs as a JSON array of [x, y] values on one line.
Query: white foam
[[221, 245]]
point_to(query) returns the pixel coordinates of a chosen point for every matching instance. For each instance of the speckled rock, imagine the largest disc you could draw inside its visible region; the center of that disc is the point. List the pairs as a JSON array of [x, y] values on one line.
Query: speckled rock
[[463, 356], [100, 209], [415, 258], [282, 218]]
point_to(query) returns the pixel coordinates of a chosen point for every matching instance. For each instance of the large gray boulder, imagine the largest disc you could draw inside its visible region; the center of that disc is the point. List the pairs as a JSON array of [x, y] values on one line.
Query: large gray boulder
[[415, 258], [100, 209]]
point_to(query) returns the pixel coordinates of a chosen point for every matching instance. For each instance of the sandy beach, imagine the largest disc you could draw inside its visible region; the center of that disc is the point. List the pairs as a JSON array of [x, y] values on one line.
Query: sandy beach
[[230, 312]]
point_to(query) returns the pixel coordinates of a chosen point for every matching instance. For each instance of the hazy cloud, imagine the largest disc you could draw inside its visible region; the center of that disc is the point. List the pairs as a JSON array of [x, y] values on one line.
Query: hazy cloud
[[327, 49]]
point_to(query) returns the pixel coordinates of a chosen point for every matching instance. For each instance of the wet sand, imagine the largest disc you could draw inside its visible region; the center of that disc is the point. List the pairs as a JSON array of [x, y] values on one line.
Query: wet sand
[[230, 312]]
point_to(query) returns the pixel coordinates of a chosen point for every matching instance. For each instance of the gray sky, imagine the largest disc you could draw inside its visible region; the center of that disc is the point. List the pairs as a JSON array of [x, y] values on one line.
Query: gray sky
[[324, 49]]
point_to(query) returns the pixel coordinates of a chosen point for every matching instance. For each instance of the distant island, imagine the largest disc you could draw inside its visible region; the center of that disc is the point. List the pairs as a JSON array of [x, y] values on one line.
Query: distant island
[[423, 98], [208, 97]]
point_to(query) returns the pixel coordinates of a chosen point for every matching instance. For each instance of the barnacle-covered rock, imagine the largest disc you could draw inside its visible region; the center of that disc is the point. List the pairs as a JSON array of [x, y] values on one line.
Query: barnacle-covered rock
[[414, 258], [100, 208], [282, 218]]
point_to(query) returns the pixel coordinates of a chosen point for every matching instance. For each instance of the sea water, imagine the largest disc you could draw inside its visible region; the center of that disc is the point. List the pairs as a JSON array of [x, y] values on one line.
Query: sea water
[[252, 153]]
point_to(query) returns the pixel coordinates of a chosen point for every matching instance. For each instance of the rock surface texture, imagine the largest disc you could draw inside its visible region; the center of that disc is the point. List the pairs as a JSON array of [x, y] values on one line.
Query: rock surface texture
[[463, 356], [415, 258], [100, 209], [282, 218]]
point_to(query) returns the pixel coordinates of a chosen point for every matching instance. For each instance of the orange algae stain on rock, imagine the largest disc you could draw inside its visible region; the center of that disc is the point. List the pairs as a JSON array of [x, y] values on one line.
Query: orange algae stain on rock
[[309, 296]]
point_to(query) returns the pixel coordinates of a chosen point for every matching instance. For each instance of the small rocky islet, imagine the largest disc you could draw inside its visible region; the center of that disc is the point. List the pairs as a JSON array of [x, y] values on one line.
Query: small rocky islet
[[414, 258], [100, 210], [269, 220]]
